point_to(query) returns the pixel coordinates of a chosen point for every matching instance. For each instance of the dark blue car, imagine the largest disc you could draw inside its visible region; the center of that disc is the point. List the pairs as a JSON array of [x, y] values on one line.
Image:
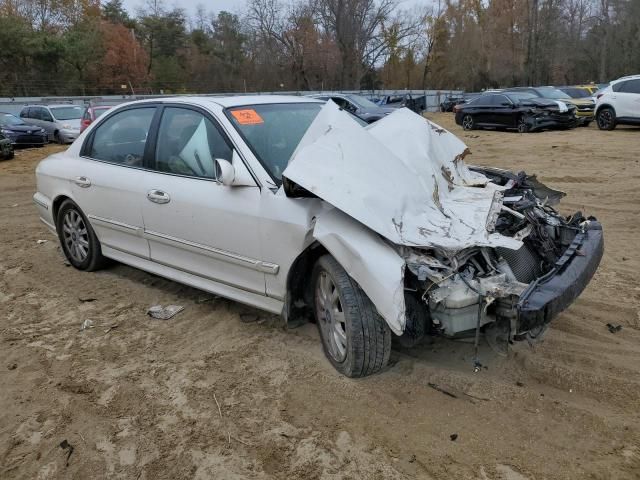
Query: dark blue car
[[20, 133]]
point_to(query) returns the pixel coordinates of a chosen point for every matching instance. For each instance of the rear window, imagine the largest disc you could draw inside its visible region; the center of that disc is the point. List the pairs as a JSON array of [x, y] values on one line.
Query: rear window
[[273, 131]]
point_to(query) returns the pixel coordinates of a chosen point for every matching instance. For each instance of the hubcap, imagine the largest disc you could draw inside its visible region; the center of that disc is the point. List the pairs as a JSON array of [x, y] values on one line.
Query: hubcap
[[331, 317], [75, 235], [467, 122], [522, 126]]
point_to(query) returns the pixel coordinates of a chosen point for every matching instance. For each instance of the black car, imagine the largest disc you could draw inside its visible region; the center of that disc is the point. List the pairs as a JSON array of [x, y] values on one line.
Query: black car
[[515, 110], [451, 101], [21, 133], [358, 105], [6, 149]]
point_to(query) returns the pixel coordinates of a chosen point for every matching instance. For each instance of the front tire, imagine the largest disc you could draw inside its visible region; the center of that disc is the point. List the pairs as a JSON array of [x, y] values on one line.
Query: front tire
[[77, 238], [606, 118], [355, 338], [522, 125], [468, 123]]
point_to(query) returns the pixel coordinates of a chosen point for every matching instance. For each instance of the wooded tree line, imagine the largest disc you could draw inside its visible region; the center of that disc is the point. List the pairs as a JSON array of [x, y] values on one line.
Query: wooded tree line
[[72, 47]]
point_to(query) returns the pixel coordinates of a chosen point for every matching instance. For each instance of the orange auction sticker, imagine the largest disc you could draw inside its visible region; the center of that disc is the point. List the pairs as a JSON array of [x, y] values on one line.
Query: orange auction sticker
[[247, 117]]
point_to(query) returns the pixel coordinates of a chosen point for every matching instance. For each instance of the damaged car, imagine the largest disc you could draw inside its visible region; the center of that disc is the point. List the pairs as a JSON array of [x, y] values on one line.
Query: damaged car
[[292, 206]]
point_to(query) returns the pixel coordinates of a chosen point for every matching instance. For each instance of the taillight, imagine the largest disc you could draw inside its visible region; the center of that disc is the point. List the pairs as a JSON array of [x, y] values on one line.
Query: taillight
[[84, 124]]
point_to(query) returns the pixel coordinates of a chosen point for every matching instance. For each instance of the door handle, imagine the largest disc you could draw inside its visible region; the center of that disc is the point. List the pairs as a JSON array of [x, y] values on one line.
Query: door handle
[[158, 196], [83, 182]]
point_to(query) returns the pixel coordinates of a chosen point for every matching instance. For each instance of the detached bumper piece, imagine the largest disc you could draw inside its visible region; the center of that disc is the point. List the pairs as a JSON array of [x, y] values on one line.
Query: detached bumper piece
[[552, 293]]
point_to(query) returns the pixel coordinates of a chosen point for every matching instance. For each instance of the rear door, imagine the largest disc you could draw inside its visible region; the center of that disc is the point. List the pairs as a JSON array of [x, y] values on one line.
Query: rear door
[[109, 181], [502, 113], [193, 223]]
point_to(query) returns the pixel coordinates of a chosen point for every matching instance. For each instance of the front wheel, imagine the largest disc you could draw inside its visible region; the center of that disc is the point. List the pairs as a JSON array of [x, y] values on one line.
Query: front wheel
[[77, 238], [355, 338], [606, 119], [468, 123], [523, 126]]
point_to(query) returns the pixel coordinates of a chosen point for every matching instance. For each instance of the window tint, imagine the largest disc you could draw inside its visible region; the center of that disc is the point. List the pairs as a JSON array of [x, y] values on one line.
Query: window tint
[[24, 113], [619, 87], [189, 143], [631, 86], [500, 100], [122, 137]]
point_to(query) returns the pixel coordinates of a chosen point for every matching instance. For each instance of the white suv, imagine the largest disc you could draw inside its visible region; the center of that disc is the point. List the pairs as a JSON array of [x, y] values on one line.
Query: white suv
[[619, 103]]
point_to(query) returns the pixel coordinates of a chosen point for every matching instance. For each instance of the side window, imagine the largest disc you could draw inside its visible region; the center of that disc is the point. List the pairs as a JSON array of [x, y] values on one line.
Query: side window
[[341, 102], [34, 112], [619, 87], [122, 137], [631, 86], [189, 143], [24, 113], [45, 114]]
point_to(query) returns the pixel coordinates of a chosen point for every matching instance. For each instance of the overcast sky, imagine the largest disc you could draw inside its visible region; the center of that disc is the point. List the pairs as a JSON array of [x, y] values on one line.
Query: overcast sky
[[233, 6]]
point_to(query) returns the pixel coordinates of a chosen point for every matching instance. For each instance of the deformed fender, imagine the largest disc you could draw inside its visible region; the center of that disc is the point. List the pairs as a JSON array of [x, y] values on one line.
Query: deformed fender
[[369, 260]]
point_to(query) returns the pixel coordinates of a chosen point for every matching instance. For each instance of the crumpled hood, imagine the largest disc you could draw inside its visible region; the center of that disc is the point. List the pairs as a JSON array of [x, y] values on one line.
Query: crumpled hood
[[403, 177]]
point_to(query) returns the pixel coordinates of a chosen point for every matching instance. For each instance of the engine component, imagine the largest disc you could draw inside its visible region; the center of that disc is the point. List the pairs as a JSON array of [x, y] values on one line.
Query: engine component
[[524, 263]]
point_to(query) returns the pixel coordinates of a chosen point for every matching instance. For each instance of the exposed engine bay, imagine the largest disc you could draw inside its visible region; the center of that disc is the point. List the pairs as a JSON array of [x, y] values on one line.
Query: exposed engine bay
[[482, 286]]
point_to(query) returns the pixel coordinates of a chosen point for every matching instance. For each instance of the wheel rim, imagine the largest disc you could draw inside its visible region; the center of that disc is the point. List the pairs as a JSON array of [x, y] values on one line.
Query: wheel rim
[[467, 122], [75, 235], [331, 317], [522, 125], [604, 119]]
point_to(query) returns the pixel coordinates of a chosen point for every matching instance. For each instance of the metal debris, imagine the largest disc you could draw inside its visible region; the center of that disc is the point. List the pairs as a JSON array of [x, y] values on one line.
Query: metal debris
[[614, 328], [67, 446], [87, 324], [164, 313]]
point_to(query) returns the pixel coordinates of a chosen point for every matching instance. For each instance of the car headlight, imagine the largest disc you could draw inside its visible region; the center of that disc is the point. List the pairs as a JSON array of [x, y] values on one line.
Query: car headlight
[[7, 131]]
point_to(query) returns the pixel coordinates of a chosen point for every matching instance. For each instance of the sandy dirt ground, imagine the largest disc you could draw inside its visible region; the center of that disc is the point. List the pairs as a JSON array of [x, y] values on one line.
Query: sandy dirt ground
[[140, 401]]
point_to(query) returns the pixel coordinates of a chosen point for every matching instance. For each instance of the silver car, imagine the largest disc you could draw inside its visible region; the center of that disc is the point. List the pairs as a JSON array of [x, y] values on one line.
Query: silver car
[[61, 122], [292, 206]]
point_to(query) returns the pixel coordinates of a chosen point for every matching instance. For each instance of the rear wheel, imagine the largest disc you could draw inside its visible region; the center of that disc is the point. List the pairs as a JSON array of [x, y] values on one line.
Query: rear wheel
[[468, 122], [606, 119], [355, 338], [78, 240], [56, 137]]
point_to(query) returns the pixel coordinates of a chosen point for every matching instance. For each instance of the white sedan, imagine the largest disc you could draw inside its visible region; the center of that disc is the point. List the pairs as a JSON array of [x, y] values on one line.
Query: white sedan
[[293, 206]]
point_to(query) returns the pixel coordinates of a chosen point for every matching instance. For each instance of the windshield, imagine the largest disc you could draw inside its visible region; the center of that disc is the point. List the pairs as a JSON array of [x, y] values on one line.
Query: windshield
[[7, 119], [361, 101], [576, 92], [67, 113], [273, 131], [552, 93]]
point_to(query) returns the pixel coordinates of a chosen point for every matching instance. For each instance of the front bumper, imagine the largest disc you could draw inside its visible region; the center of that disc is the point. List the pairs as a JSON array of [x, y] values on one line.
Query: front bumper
[[28, 139], [552, 293], [68, 136]]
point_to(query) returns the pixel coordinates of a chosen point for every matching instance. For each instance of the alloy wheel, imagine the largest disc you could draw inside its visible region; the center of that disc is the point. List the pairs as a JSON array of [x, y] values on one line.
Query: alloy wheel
[[522, 125], [467, 122], [75, 235], [605, 119], [331, 317]]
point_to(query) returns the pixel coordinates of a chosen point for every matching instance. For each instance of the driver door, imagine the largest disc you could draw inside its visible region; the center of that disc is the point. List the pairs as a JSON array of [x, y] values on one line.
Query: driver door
[[192, 222]]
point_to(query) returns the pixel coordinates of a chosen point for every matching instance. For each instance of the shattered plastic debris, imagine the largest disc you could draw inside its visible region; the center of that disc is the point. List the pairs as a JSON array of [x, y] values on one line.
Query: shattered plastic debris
[[41, 242], [164, 313], [614, 328], [65, 445], [87, 324]]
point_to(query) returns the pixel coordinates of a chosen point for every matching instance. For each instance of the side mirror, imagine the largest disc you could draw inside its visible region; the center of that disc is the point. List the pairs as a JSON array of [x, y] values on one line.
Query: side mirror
[[234, 174], [226, 172]]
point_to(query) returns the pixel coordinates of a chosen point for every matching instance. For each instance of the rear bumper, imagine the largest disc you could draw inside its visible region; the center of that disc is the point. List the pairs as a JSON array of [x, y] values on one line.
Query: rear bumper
[[545, 298]]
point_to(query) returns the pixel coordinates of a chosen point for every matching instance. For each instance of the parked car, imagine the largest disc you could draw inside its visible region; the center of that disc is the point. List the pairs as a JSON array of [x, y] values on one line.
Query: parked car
[[584, 106], [91, 113], [20, 133], [290, 205], [358, 105], [417, 104], [576, 92], [451, 101], [591, 88], [619, 103], [60, 121], [6, 149], [519, 110]]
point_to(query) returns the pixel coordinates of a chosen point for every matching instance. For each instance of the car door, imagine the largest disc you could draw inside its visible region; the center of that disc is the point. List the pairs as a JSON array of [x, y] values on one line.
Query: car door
[[502, 114], [192, 222], [47, 121], [482, 109], [32, 116], [109, 181]]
